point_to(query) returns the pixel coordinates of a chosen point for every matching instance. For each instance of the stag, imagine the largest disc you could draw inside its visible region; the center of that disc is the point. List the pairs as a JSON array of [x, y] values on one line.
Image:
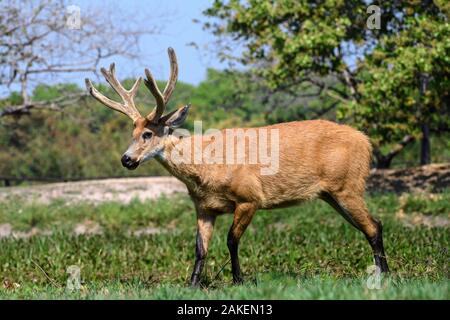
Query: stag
[[317, 159]]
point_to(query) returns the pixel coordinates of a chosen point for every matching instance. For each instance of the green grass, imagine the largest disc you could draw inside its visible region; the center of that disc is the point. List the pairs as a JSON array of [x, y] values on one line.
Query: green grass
[[305, 252]]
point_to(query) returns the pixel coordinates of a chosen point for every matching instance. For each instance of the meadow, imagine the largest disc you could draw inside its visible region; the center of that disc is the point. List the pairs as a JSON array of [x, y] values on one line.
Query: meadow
[[145, 250]]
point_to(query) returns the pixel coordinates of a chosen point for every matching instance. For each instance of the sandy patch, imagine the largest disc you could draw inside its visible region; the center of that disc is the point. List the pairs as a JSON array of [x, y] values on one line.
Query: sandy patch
[[418, 219], [6, 231], [87, 227], [95, 191]]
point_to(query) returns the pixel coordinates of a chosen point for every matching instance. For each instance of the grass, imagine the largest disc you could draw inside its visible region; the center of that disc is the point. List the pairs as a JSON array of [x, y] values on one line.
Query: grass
[[305, 252]]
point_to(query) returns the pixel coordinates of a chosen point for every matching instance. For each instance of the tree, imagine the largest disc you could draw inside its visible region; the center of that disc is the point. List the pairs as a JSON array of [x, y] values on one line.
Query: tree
[[230, 97], [81, 141], [405, 85], [37, 41], [294, 42]]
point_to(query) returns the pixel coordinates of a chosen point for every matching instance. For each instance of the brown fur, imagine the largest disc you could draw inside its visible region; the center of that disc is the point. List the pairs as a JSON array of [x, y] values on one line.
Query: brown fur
[[317, 159]]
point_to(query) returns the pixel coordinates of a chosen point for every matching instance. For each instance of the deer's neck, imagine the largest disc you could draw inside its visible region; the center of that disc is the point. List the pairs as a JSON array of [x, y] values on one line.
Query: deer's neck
[[185, 171]]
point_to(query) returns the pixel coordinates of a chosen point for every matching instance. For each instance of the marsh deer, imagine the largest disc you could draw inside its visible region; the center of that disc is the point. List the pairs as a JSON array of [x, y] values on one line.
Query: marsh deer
[[316, 159]]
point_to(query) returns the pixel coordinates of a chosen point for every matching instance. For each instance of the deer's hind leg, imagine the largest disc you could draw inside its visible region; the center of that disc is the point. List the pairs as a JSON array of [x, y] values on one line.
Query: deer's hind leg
[[353, 208]]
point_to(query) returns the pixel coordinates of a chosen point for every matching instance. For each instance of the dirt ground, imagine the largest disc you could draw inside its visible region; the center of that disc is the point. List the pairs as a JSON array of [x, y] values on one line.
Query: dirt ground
[[431, 178], [426, 180], [122, 190]]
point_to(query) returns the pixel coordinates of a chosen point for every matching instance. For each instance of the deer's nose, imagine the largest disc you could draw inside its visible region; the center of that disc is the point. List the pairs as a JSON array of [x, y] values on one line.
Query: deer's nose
[[128, 163], [125, 159]]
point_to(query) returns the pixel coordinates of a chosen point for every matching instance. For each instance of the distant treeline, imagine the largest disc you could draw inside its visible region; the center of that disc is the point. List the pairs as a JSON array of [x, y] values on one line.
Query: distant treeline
[[86, 139]]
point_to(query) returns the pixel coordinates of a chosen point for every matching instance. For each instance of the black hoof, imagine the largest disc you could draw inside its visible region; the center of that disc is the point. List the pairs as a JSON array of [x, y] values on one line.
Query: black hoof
[[383, 265], [238, 280], [195, 282], [376, 242]]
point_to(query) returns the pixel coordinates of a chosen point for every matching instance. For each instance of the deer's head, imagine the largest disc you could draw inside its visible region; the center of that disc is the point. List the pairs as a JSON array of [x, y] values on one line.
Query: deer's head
[[149, 132]]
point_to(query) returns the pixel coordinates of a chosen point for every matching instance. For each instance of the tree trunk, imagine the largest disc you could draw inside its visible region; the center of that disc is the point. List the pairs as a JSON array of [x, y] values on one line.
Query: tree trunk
[[383, 162], [425, 146]]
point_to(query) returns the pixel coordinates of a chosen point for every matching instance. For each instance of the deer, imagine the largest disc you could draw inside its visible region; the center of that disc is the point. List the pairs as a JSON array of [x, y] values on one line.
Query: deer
[[318, 159]]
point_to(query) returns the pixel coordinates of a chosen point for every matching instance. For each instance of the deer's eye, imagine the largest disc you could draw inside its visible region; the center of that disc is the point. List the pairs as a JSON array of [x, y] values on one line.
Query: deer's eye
[[147, 135]]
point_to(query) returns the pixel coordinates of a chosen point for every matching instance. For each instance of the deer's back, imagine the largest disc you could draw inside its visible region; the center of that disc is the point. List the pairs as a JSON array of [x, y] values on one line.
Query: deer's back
[[313, 156]]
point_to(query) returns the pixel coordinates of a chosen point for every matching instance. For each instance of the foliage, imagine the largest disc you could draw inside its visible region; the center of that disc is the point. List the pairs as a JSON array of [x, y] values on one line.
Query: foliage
[[378, 72], [395, 101], [87, 139]]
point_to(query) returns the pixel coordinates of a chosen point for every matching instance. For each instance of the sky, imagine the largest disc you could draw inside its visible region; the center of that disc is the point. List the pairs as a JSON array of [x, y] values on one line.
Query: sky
[[179, 30]]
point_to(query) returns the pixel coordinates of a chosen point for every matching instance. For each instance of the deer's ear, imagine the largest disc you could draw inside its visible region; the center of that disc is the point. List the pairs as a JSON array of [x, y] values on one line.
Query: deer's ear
[[177, 117]]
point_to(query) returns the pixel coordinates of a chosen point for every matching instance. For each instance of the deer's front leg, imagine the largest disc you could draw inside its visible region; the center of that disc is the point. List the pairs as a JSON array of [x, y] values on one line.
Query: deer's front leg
[[205, 226], [242, 217]]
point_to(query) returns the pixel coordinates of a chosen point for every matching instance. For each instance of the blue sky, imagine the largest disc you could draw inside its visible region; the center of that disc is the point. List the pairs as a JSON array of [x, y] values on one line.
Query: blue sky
[[179, 31]]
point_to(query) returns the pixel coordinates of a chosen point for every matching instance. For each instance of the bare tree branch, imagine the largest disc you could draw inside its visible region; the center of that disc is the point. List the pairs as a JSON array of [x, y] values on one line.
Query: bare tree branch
[[55, 104], [37, 42]]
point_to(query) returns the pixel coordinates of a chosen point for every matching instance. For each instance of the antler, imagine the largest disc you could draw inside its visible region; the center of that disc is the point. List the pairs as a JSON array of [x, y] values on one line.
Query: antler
[[127, 106], [162, 98]]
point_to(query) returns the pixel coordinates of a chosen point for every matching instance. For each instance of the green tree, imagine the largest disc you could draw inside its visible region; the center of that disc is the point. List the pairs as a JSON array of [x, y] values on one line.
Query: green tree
[[404, 85], [85, 139], [234, 98], [293, 42]]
